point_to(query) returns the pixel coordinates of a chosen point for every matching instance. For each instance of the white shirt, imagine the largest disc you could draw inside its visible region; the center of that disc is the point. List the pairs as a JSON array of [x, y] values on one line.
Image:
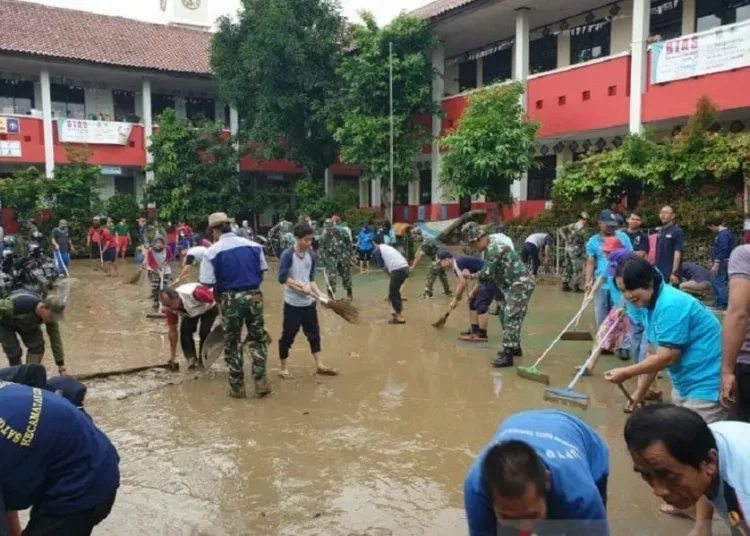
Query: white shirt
[[734, 465], [197, 253], [538, 239], [501, 239], [392, 259]]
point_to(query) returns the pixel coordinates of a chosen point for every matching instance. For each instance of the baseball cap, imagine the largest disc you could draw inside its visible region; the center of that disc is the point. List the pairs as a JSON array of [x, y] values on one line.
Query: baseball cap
[[217, 218], [611, 243], [444, 254], [608, 217], [336, 219]]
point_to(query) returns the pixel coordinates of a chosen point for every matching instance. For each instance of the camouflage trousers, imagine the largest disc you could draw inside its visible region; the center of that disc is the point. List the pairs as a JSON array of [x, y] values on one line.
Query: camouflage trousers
[[572, 272], [514, 308], [436, 271], [157, 284], [340, 269], [238, 308]]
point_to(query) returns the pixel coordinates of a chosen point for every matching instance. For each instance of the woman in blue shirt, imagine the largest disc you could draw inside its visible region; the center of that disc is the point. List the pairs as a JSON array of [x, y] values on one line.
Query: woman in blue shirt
[[365, 246]]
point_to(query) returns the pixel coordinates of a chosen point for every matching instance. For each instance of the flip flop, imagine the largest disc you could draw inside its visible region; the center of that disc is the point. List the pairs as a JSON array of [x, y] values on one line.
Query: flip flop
[[327, 372], [285, 375]]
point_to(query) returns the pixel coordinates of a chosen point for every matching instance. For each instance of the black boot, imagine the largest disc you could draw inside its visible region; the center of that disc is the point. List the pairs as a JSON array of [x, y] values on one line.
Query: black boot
[[504, 359], [566, 288], [349, 295], [517, 352]]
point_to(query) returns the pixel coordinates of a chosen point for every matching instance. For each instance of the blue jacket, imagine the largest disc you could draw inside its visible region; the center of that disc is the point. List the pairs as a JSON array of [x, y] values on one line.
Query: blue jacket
[[723, 246]]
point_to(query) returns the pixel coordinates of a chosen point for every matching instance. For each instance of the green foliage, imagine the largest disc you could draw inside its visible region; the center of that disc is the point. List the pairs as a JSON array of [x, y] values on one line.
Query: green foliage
[[195, 171], [277, 66], [362, 124], [358, 217], [23, 192], [73, 192], [122, 206], [313, 201], [491, 147], [670, 170]]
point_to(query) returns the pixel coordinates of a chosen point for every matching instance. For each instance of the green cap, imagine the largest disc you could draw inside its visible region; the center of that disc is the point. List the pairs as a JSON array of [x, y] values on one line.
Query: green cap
[[472, 232], [56, 305]]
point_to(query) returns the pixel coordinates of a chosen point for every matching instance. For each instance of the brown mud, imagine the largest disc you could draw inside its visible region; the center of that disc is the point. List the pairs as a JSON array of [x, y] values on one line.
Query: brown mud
[[382, 449]]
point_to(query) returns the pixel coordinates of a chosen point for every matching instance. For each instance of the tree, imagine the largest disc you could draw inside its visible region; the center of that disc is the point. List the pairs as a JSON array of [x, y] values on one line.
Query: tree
[[195, 171], [491, 147], [122, 206], [312, 200], [73, 192], [277, 66], [362, 124], [23, 192]]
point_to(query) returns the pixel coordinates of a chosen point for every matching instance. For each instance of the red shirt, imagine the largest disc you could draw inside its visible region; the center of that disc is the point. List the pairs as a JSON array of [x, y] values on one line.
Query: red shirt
[[94, 234], [108, 241], [172, 237], [202, 294]]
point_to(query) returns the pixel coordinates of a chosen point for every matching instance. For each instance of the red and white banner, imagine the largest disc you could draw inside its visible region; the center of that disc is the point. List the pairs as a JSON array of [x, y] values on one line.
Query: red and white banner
[[94, 132]]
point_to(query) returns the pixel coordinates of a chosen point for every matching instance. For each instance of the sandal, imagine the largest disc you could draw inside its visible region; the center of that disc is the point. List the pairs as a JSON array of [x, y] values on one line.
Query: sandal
[[630, 408]]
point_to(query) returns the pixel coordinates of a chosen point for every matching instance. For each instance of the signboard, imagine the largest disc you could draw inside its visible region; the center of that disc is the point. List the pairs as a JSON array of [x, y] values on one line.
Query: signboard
[[10, 125], [714, 51], [94, 132], [10, 149], [110, 170]]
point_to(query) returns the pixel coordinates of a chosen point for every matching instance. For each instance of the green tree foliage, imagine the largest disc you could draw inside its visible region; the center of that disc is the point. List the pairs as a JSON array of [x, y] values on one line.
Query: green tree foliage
[[23, 192], [122, 206], [491, 147], [362, 124], [195, 171], [73, 192], [313, 201], [277, 66]]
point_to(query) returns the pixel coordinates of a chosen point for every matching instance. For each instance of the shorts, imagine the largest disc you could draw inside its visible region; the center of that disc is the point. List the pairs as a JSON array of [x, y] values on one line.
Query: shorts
[[483, 298], [711, 412], [122, 243], [365, 255], [109, 255]]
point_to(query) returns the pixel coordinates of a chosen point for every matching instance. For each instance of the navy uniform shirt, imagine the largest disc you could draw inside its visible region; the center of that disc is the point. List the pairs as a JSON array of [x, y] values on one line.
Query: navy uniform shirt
[[639, 239], [669, 240]]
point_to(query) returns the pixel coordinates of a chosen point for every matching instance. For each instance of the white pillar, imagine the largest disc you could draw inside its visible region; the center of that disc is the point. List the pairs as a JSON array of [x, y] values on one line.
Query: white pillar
[[375, 194], [638, 61], [234, 128], [49, 147], [414, 191], [519, 188], [438, 89], [148, 125], [328, 182]]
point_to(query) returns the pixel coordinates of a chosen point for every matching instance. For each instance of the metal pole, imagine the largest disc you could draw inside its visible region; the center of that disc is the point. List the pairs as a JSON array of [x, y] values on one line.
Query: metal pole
[[390, 95], [557, 252]]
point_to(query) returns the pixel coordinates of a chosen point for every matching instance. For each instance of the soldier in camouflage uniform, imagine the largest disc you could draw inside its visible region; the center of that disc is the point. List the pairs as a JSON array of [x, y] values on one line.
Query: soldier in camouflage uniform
[[575, 236], [429, 249], [277, 236], [504, 268], [234, 267], [335, 250]]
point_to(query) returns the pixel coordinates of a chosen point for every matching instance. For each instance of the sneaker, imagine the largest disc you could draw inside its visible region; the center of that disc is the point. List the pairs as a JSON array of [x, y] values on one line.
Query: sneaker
[[504, 359], [261, 387], [237, 393], [474, 337], [623, 354], [426, 295], [466, 333], [517, 352], [566, 288]]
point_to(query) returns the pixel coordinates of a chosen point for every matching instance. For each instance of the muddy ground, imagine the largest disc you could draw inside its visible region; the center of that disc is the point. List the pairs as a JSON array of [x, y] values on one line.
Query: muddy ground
[[382, 449]]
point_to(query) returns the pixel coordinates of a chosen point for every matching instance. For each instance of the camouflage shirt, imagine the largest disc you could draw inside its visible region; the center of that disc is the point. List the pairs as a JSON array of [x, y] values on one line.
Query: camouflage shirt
[[335, 246], [429, 248], [504, 268], [575, 235]]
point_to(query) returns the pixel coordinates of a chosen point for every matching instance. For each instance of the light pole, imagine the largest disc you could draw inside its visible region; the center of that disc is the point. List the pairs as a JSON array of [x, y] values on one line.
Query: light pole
[[390, 99]]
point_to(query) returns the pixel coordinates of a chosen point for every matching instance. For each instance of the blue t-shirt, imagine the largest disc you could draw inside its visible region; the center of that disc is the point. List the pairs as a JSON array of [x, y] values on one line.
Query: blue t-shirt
[[576, 457], [469, 262], [366, 241], [52, 456], [681, 322], [733, 494], [594, 251]]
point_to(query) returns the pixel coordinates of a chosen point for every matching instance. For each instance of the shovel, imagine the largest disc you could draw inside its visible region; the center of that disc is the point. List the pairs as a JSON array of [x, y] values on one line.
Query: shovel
[[213, 346], [577, 335]]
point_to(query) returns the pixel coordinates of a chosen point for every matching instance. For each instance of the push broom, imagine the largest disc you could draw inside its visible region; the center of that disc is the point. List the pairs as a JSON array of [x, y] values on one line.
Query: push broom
[[533, 373], [569, 397]]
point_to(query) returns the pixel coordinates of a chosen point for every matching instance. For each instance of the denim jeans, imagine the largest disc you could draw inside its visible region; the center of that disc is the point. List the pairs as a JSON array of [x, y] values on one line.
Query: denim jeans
[[602, 305], [639, 344], [719, 284]]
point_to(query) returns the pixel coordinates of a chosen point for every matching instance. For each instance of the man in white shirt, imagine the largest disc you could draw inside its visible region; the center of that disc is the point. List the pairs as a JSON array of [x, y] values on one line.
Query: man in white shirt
[[500, 238], [684, 459], [193, 257], [390, 260], [534, 245]]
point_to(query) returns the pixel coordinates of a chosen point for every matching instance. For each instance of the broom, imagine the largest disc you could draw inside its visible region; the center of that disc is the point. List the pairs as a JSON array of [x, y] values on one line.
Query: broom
[[137, 277], [574, 335], [343, 308], [569, 397], [440, 323], [533, 373]]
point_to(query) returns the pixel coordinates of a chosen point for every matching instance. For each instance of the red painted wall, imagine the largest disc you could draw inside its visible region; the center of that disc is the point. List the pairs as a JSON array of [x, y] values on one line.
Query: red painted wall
[[32, 142], [588, 97], [453, 107], [727, 90], [132, 154]]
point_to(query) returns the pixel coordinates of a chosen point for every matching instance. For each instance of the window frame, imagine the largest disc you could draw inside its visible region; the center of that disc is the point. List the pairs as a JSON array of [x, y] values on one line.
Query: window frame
[[576, 53]]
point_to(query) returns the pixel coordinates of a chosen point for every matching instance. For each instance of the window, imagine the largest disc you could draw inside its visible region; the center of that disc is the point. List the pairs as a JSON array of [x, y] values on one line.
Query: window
[[467, 75], [124, 185], [402, 194], [159, 103], [713, 13], [425, 186], [124, 105], [541, 179], [68, 101], [16, 97], [591, 44], [198, 110], [497, 67], [667, 24], [543, 54]]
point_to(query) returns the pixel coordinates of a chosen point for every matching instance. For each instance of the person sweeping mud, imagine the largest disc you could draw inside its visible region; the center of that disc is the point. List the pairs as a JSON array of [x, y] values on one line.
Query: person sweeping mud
[[158, 262], [504, 269], [336, 250], [234, 267], [297, 268], [465, 266], [394, 264], [429, 250], [190, 305], [22, 314]]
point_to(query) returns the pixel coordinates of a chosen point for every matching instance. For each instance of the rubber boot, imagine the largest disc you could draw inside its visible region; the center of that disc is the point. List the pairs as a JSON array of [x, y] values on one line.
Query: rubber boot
[[237, 393], [261, 387], [504, 359], [517, 352], [566, 288], [349, 295]]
